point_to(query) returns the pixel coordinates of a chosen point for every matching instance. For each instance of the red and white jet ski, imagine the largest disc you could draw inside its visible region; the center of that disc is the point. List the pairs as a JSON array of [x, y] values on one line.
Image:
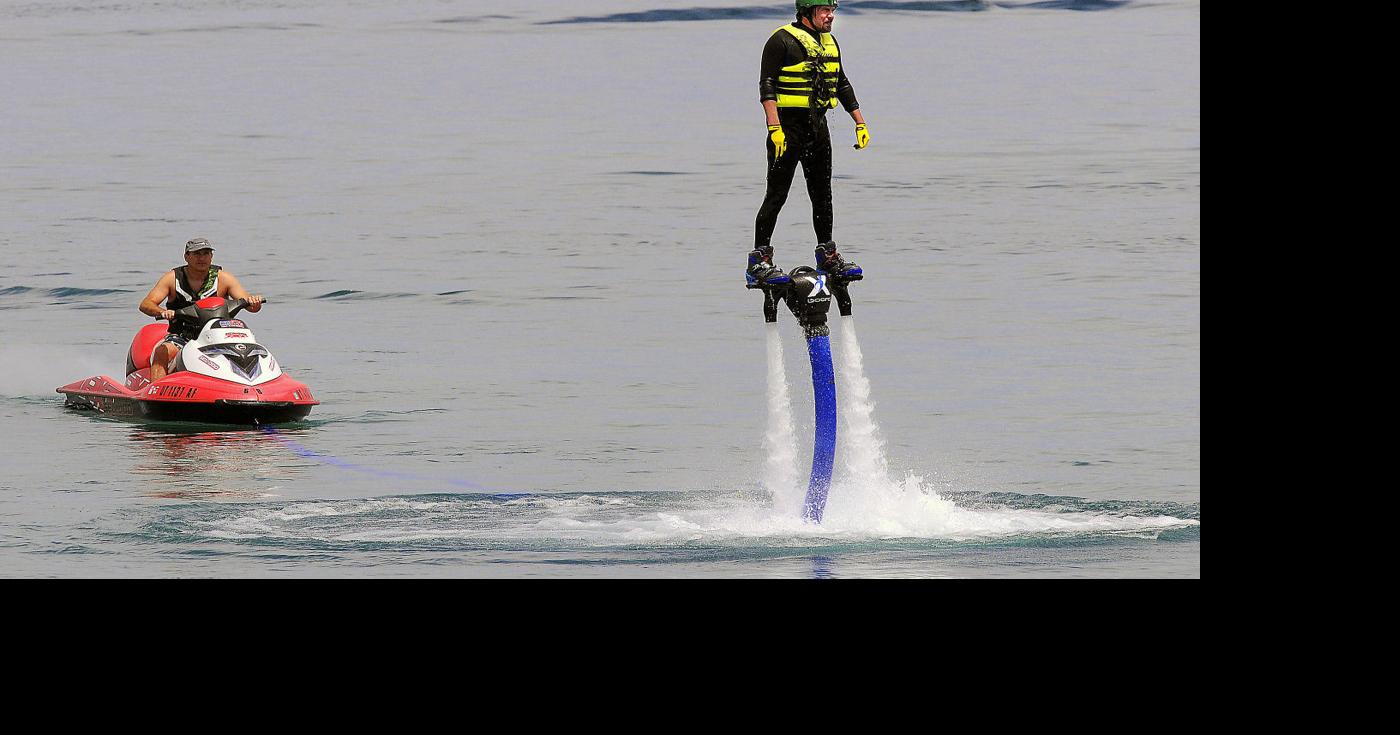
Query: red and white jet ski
[[222, 376]]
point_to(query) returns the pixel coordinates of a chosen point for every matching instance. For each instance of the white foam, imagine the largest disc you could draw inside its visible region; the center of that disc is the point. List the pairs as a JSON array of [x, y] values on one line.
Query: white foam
[[906, 510]]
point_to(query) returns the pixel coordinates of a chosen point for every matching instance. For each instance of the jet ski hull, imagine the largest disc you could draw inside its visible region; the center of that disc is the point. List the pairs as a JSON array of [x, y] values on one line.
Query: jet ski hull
[[223, 376], [191, 397]]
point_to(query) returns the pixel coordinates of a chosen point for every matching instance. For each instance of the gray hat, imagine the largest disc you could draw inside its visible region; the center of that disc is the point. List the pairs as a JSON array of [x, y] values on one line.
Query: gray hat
[[199, 243]]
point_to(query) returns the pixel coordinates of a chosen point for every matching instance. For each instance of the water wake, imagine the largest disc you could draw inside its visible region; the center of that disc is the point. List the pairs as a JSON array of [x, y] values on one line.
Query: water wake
[[659, 521]]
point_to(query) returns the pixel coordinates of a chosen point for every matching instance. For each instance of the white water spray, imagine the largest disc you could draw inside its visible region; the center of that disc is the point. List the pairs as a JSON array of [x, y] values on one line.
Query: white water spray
[[33, 371], [863, 495], [780, 442], [862, 458], [865, 502]]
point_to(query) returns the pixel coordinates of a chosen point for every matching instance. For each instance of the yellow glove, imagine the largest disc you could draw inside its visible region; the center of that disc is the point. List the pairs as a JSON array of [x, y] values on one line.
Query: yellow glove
[[862, 136], [775, 134]]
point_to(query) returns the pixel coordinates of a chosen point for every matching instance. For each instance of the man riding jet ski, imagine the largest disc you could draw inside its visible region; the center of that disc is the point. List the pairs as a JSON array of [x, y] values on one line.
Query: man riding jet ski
[[206, 366], [181, 286]]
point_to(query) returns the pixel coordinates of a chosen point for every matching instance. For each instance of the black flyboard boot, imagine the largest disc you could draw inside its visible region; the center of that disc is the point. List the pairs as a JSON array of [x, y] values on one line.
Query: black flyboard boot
[[840, 272], [761, 272], [829, 261]]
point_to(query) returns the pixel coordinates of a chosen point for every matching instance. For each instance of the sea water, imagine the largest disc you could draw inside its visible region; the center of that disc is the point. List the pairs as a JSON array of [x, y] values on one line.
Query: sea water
[[504, 244]]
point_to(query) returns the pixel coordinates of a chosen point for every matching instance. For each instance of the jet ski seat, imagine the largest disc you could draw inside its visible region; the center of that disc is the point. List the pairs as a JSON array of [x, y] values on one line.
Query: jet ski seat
[[139, 356]]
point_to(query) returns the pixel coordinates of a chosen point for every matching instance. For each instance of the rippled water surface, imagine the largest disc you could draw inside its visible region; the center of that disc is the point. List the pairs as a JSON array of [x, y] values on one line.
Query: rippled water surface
[[504, 245]]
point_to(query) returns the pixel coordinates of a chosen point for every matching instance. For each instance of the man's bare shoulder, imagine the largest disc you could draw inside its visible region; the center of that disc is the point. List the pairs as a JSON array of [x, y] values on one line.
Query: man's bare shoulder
[[227, 282], [164, 285]]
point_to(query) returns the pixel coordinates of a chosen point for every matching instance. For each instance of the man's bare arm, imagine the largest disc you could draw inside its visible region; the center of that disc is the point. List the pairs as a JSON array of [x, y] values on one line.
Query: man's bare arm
[[150, 306], [236, 291]]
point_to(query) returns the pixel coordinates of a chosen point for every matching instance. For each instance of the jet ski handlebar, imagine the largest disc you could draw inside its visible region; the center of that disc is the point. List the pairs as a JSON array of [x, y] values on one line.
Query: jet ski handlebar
[[192, 312]]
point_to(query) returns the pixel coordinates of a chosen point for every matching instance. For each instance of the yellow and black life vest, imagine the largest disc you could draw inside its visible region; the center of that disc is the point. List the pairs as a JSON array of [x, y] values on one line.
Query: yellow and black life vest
[[823, 63]]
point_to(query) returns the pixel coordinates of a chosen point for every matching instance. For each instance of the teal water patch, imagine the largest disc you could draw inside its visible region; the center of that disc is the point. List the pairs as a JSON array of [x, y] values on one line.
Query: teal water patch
[[353, 295], [24, 297], [221, 28], [1065, 503], [934, 6], [63, 292], [473, 19], [1082, 5], [386, 415], [68, 293], [576, 292], [663, 15]]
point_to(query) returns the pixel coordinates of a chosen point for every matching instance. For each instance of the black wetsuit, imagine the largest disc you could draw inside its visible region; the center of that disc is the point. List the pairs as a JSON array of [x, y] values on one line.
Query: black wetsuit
[[808, 140]]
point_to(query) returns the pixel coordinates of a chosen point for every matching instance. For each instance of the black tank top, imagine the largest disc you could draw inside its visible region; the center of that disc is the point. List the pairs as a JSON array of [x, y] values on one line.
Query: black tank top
[[187, 293]]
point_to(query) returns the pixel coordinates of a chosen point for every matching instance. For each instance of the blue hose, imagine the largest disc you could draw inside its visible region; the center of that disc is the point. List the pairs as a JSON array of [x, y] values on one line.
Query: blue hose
[[824, 445]]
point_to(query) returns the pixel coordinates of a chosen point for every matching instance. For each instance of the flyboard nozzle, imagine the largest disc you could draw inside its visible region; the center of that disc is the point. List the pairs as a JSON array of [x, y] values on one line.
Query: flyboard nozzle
[[809, 298], [771, 296], [838, 283]]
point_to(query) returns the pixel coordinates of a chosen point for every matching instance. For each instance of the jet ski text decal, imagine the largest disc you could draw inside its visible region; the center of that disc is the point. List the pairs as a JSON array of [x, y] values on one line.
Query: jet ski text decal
[[171, 391]]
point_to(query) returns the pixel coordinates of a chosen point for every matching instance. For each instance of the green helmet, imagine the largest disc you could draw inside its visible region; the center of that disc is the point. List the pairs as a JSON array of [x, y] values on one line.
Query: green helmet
[[809, 4]]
